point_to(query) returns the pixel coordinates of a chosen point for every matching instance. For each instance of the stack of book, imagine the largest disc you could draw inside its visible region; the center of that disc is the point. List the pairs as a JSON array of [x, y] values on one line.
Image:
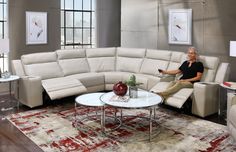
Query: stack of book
[[230, 84], [116, 98]]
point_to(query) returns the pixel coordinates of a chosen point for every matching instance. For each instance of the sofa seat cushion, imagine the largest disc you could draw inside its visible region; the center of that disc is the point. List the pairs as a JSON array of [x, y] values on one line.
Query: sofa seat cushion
[[151, 80], [139, 79], [89, 79], [62, 87], [145, 80], [114, 77]]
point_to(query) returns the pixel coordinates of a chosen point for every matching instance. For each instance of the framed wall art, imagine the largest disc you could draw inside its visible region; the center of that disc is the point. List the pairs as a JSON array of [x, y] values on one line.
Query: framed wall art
[[36, 28], [180, 26]]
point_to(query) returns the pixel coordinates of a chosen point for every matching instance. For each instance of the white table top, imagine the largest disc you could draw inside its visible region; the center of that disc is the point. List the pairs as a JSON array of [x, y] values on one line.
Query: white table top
[[145, 99], [90, 99], [12, 78], [227, 87]]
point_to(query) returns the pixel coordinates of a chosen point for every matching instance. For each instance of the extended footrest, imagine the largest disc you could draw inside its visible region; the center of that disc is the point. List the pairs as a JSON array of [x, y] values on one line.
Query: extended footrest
[[62, 87], [178, 99]]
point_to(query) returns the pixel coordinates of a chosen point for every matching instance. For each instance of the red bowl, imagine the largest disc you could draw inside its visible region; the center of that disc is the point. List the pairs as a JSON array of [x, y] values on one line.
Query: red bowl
[[120, 89]]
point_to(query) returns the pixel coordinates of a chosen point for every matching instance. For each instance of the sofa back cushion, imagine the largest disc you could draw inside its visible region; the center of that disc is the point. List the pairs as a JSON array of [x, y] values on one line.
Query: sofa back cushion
[[73, 61], [154, 60], [175, 60], [41, 64], [222, 73], [129, 59], [101, 59], [210, 67]]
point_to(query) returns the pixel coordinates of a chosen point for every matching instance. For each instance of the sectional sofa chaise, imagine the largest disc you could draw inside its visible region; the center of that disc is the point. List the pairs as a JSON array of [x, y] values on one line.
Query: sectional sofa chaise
[[72, 72]]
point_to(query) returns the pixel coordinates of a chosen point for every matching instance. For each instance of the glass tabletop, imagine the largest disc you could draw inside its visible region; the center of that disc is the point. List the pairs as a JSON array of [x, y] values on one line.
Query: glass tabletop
[[144, 99], [90, 99], [11, 78]]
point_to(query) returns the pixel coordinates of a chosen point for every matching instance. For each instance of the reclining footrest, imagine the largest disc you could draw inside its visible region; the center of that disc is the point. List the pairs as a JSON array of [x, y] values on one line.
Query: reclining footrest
[[59, 88], [178, 99]]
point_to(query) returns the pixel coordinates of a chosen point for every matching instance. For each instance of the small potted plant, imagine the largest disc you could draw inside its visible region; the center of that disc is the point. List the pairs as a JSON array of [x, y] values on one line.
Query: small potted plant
[[133, 86]]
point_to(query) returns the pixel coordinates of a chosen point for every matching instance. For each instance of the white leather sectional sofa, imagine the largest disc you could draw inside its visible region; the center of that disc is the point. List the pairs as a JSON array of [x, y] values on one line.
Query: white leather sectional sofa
[[231, 111], [72, 72]]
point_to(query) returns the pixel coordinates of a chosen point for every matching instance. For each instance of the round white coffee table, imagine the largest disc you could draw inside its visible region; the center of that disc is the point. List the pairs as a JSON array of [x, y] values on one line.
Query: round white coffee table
[[93, 100], [145, 99], [90, 99]]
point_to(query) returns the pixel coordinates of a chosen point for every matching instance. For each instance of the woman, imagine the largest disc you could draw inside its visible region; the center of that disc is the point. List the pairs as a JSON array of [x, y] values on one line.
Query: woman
[[192, 71]]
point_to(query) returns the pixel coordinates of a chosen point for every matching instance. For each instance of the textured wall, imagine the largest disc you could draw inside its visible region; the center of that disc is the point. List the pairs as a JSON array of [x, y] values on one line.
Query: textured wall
[[108, 26], [139, 23], [144, 23], [108, 23], [17, 26]]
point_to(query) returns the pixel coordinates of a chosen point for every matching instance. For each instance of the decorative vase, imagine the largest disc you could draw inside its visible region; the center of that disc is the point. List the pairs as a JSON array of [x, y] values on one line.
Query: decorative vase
[[133, 92], [5, 75], [120, 89]]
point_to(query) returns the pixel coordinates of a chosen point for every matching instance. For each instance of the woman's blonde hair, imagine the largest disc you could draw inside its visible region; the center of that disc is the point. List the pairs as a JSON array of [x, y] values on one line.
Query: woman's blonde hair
[[195, 51]]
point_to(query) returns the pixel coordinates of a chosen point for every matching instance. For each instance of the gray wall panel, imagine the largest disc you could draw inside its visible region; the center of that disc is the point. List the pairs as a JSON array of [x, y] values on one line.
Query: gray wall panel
[[17, 26], [213, 26], [139, 39], [135, 17], [108, 23]]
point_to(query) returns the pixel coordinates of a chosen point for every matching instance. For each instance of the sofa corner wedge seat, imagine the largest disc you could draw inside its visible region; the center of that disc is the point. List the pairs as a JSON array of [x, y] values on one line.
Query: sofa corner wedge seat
[[72, 72]]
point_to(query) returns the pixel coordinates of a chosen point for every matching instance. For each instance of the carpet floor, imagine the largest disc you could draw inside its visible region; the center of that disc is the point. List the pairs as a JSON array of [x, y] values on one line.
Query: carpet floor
[[57, 129]]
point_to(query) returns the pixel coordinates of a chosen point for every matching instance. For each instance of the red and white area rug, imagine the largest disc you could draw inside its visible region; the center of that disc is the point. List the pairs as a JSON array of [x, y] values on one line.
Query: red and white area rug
[[54, 129]]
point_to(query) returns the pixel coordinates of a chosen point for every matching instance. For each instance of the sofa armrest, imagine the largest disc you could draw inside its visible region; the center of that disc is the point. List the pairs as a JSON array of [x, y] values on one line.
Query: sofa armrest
[[205, 98], [30, 91]]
